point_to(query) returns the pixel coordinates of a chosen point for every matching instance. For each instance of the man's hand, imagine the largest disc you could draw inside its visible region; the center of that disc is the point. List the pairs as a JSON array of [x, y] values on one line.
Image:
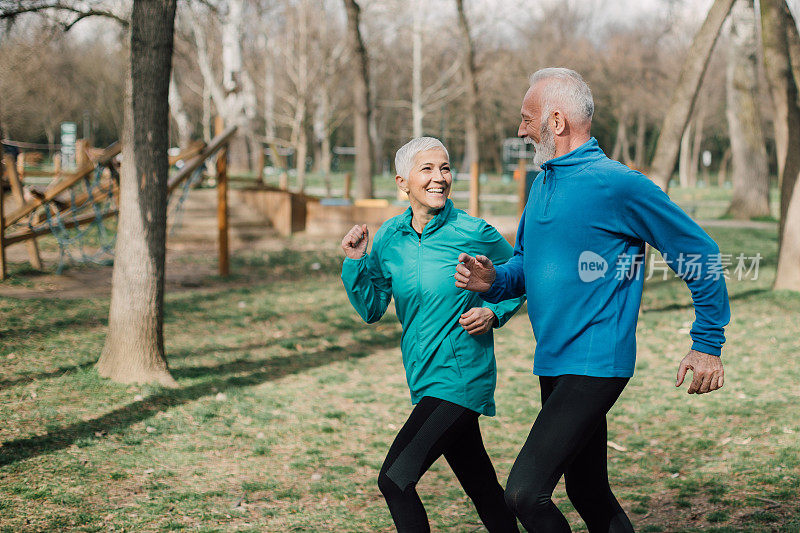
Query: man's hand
[[355, 242], [707, 372], [474, 273], [478, 320]]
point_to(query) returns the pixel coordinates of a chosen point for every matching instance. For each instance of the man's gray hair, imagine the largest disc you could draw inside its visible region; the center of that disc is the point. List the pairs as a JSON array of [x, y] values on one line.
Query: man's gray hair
[[564, 87], [404, 159]]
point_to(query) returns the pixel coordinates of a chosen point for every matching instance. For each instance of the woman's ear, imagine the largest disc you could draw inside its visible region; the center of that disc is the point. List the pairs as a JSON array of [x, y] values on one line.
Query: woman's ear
[[401, 183]]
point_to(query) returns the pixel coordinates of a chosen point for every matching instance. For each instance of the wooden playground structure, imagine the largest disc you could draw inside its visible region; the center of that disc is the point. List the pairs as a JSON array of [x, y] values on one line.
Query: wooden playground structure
[[90, 194]]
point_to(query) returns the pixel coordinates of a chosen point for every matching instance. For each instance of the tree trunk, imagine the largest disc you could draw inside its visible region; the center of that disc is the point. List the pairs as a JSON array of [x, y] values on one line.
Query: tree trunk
[[722, 173], [471, 133], [269, 100], [641, 132], [362, 103], [685, 159], [779, 37], [685, 94], [233, 108], [749, 155], [179, 115], [697, 143], [416, 71], [301, 151], [134, 347]]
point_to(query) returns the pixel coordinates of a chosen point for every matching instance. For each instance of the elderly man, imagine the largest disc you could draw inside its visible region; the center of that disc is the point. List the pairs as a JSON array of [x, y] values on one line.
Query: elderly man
[[578, 259]]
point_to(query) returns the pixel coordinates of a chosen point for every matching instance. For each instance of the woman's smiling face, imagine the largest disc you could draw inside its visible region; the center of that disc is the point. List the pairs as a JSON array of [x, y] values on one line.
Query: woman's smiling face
[[429, 180]]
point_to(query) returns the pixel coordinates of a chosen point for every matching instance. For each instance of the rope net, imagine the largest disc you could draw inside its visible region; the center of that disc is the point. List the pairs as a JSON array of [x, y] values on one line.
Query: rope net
[[81, 218]]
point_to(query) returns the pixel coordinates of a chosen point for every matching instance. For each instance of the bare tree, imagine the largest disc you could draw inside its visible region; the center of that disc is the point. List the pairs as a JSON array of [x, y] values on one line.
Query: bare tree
[[471, 134], [134, 347], [685, 94], [232, 91], [780, 40], [179, 114], [749, 155], [361, 102]]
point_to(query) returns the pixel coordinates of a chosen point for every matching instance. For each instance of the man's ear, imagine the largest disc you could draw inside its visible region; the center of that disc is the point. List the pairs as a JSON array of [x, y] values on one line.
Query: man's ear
[[557, 122], [401, 183]]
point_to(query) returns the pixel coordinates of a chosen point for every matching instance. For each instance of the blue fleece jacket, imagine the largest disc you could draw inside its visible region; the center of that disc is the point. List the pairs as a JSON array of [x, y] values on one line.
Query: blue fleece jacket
[[578, 260]]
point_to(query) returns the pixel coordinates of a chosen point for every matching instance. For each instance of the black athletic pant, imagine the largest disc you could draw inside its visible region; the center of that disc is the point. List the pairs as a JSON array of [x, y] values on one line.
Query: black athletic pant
[[568, 438], [434, 428]]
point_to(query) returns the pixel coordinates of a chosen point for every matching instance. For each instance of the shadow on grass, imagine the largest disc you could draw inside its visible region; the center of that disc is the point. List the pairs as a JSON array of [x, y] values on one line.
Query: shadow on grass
[[259, 371], [28, 378]]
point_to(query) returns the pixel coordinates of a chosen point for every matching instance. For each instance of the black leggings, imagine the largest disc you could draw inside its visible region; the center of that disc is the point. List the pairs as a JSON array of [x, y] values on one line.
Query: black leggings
[[434, 428], [568, 438]]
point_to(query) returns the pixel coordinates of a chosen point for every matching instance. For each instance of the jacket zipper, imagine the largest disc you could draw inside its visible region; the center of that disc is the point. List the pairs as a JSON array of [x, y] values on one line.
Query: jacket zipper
[[419, 291]]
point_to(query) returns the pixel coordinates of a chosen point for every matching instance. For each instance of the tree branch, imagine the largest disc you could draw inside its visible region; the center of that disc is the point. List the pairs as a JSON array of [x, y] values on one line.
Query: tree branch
[[59, 5]]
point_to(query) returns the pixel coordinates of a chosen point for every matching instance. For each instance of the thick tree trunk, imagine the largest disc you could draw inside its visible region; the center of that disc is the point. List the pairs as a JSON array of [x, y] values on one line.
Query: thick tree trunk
[[471, 133], [779, 36], [749, 155], [361, 101], [685, 94], [134, 347]]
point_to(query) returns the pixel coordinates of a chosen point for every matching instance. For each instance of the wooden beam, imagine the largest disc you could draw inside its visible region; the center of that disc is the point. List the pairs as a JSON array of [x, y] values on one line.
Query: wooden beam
[[16, 189], [68, 181], [192, 165], [30, 234], [193, 149]]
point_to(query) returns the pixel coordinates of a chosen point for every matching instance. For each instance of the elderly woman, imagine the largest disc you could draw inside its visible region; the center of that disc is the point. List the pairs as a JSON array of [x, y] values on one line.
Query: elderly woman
[[447, 343]]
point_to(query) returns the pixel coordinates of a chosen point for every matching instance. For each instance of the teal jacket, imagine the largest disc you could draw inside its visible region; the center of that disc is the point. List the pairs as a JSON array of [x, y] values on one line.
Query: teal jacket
[[441, 359]]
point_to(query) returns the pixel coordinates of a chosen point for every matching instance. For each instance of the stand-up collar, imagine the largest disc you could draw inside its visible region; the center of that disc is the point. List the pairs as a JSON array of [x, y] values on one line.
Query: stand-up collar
[[435, 223], [586, 153]]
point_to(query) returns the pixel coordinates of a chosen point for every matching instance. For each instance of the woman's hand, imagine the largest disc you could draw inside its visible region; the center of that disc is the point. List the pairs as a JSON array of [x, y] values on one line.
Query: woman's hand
[[355, 242], [478, 320]]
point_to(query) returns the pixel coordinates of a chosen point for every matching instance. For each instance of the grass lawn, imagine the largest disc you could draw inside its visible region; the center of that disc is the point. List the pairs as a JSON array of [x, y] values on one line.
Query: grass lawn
[[288, 404]]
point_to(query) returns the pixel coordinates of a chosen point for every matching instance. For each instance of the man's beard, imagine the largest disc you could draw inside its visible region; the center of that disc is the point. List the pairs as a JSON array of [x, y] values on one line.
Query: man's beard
[[545, 149]]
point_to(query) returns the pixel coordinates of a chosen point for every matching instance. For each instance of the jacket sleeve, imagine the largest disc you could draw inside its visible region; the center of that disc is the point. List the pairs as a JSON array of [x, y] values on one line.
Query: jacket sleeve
[[646, 213], [368, 288], [499, 252], [510, 280]]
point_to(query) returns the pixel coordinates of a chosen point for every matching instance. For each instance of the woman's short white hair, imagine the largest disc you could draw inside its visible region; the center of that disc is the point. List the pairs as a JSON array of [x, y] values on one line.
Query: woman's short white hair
[[565, 88], [404, 159]]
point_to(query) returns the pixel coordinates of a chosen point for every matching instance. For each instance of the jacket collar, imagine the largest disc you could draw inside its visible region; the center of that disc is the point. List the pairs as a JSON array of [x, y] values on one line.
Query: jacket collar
[[435, 223], [575, 160]]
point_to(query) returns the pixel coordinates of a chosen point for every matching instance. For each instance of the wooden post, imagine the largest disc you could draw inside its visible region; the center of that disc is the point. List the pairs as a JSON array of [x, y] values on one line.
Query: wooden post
[[56, 165], [522, 170], [16, 190], [474, 190], [81, 155], [261, 163], [2, 223], [348, 179], [222, 201], [20, 166], [283, 181]]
